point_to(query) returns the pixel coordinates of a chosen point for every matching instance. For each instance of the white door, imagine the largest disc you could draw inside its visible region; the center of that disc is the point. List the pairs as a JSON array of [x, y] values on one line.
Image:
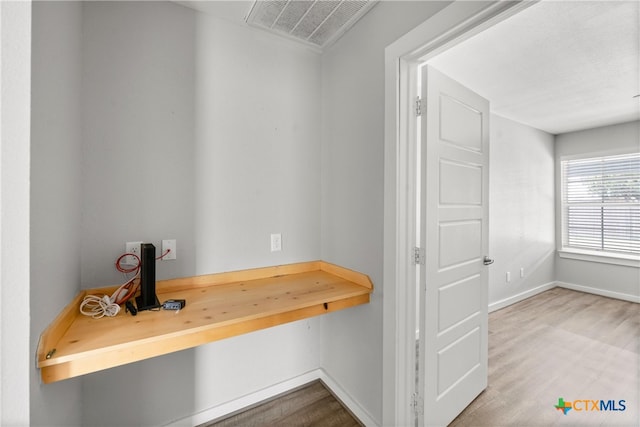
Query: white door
[[454, 234]]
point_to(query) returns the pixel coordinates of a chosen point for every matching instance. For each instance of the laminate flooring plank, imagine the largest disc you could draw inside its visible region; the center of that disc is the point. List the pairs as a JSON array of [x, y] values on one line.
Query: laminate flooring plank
[[560, 343], [311, 405], [327, 412], [268, 412]]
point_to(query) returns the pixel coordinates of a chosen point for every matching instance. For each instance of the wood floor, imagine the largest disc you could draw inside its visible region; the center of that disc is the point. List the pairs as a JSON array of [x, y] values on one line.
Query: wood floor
[[311, 405], [560, 344]]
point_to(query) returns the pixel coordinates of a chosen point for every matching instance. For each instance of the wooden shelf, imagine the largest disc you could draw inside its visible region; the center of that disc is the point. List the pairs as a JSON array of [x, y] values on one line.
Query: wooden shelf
[[218, 306]]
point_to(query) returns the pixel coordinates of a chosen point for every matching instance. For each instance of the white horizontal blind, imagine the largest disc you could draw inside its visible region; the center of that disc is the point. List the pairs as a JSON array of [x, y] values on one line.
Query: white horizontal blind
[[601, 204]]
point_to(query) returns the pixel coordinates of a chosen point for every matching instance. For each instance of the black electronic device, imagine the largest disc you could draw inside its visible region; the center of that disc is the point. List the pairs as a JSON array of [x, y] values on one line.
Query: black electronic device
[[147, 299], [174, 304], [130, 308]]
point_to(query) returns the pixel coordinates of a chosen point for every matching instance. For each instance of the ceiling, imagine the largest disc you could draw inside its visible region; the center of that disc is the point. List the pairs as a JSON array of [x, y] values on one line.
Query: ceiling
[[234, 11], [558, 66]]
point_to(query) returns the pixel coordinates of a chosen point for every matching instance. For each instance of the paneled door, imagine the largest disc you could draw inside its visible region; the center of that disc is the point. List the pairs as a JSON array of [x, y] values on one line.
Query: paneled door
[[454, 234]]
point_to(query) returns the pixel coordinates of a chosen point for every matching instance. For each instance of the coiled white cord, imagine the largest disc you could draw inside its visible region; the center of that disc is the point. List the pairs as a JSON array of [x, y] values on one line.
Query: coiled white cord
[[98, 307]]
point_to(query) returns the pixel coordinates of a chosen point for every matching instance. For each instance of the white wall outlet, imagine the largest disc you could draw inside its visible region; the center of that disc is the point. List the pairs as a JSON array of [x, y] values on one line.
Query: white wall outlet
[[169, 245], [276, 242], [508, 276], [132, 248], [521, 272]]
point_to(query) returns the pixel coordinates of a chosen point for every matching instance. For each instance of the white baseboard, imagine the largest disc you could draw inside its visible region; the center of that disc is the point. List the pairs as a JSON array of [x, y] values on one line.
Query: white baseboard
[[246, 401], [598, 291], [521, 296], [273, 391], [358, 411], [590, 290], [319, 374]]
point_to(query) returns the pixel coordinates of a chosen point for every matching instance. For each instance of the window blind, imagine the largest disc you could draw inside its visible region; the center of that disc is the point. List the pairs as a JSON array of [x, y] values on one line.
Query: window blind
[[601, 204]]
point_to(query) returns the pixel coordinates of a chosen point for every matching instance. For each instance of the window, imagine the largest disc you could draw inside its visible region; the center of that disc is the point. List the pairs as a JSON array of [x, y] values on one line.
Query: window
[[601, 206]]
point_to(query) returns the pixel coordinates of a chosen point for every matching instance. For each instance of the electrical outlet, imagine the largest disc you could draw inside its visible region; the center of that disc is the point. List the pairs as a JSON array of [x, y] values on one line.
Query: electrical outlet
[[521, 272], [169, 245], [132, 248], [508, 276], [276, 242]]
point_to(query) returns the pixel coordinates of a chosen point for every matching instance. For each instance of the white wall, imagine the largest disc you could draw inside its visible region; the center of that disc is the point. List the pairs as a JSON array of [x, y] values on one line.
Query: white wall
[[352, 189], [56, 147], [257, 172], [233, 115], [237, 135], [521, 209], [257, 148], [15, 77], [138, 134], [138, 100], [594, 276]]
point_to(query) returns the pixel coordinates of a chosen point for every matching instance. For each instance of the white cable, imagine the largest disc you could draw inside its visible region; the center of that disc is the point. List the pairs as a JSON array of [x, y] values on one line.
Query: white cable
[[98, 307]]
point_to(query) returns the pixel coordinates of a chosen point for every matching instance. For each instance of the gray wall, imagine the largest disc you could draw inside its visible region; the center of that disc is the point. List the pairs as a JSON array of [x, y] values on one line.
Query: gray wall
[[257, 173], [236, 135], [249, 163], [56, 147], [257, 148], [219, 124], [353, 186], [138, 99], [521, 208], [595, 276]]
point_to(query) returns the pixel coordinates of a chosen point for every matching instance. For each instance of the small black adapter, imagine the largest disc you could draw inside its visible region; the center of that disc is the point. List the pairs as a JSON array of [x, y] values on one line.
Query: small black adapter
[[130, 308], [174, 304]]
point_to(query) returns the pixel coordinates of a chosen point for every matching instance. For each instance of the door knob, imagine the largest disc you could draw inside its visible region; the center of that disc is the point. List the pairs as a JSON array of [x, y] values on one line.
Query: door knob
[[487, 260]]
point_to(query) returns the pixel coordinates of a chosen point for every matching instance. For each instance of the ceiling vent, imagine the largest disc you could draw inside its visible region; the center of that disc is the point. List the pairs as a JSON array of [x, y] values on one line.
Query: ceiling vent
[[316, 23]]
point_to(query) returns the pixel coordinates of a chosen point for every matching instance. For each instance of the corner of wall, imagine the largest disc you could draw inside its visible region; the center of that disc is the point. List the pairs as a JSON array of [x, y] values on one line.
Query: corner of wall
[[618, 281], [55, 211], [15, 83], [522, 211]]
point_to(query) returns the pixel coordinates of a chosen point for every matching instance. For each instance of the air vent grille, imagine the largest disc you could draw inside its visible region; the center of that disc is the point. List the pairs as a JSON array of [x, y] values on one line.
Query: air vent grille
[[317, 23]]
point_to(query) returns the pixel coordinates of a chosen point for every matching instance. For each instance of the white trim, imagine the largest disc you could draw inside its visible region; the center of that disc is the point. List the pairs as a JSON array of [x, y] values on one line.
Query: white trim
[[243, 402], [559, 187], [458, 21], [356, 409], [17, 362], [601, 292], [398, 238], [626, 259], [495, 306], [240, 404], [597, 153], [606, 258]]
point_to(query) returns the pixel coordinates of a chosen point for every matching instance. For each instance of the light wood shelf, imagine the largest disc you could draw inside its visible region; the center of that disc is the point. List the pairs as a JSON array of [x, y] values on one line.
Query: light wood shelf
[[218, 306]]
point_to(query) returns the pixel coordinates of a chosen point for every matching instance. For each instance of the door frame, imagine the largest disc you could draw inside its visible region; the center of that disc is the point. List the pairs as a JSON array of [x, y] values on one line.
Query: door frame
[[453, 24]]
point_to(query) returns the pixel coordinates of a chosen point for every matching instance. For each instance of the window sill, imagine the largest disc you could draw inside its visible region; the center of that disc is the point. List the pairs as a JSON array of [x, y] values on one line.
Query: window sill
[[616, 259]]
